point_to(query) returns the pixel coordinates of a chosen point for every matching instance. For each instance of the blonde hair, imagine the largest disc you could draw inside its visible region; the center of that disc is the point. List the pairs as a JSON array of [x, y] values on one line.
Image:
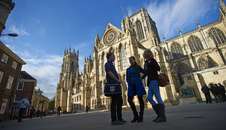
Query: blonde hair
[[148, 54]]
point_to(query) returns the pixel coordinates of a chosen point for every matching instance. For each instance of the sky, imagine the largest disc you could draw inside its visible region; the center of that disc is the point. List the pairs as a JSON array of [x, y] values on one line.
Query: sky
[[46, 28]]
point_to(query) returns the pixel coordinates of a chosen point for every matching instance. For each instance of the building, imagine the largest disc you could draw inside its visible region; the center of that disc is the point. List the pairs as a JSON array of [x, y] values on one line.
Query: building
[[40, 102], [25, 88], [191, 59]]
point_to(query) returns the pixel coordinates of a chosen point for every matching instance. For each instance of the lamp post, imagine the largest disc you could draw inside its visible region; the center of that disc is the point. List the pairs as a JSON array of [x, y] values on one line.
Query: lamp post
[[42, 102], [10, 34]]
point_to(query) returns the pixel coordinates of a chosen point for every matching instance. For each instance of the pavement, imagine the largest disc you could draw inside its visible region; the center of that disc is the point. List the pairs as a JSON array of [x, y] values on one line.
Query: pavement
[[200, 116]]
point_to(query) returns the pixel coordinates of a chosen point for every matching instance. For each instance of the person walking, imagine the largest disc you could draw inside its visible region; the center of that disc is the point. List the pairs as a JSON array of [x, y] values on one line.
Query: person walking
[[135, 87], [23, 105], [58, 111], [206, 91], [116, 100], [87, 109], [32, 111], [151, 67]]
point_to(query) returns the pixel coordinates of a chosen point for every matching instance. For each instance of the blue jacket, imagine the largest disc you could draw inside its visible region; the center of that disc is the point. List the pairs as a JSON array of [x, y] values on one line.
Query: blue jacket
[[139, 85]]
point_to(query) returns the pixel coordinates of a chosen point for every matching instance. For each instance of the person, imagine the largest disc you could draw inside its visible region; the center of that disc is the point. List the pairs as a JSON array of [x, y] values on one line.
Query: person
[[23, 104], [116, 100], [222, 92], [151, 67], [206, 91], [135, 87], [58, 111], [32, 110], [87, 109], [215, 92]]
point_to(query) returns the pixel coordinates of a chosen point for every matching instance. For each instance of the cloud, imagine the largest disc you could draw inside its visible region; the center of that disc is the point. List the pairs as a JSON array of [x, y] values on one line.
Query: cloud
[[19, 31], [173, 14], [46, 70]]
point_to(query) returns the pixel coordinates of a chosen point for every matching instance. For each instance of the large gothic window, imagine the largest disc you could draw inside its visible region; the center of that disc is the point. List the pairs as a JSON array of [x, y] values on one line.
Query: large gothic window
[[116, 61], [176, 50], [195, 44], [217, 35], [205, 63], [180, 72], [123, 58], [140, 30]]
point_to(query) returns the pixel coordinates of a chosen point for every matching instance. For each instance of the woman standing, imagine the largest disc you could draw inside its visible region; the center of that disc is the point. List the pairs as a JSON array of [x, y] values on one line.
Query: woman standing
[[135, 87], [151, 67]]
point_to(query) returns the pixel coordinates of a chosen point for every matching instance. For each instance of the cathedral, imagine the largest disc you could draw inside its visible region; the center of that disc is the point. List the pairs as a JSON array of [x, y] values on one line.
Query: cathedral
[[190, 60]]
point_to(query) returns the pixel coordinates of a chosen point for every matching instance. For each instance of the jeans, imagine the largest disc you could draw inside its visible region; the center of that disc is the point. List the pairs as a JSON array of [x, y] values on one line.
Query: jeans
[[116, 105], [21, 112], [154, 90]]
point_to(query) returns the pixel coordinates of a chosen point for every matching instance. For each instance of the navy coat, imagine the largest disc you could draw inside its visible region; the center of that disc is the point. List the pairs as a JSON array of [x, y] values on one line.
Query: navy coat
[[139, 85]]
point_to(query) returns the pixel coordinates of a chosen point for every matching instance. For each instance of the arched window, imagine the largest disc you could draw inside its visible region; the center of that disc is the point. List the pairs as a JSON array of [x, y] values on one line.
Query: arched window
[[195, 44], [123, 58], [205, 63], [140, 30], [217, 35], [176, 50], [116, 61]]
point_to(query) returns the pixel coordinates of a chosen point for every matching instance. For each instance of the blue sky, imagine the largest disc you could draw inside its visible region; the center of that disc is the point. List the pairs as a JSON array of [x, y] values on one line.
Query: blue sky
[[47, 27]]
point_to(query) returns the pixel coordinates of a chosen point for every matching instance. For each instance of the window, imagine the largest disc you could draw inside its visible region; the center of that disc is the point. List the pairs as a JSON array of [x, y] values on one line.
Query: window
[[205, 63], [123, 58], [195, 44], [176, 50], [215, 72], [10, 82], [217, 35], [4, 58], [1, 75], [14, 65], [140, 30], [20, 86], [3, 106], [189, 78], [17, 98]]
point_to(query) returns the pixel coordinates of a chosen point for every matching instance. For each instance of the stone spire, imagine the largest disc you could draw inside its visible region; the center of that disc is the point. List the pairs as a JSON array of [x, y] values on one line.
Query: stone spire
[[97, 40]]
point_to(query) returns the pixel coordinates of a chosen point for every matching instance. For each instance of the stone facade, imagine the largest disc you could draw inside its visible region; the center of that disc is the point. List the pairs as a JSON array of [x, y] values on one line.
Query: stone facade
[[193, 58]]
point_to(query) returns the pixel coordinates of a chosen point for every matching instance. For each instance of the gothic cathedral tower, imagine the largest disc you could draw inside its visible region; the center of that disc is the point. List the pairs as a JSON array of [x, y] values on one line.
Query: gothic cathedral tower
[[69, 72]]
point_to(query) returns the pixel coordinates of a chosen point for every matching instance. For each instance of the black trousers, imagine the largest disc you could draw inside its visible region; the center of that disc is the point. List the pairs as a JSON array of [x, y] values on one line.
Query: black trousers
[[208, 98], [116, 106], [21, 112], [132, 105]]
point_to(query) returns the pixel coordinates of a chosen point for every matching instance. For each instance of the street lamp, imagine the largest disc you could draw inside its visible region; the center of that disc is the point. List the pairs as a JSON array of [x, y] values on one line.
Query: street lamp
[[10, 34], [42, 102]]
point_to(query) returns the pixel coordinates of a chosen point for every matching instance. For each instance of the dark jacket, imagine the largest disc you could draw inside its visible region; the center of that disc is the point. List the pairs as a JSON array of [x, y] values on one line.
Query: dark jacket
[[152, 70], [139, 85], [205, 89]]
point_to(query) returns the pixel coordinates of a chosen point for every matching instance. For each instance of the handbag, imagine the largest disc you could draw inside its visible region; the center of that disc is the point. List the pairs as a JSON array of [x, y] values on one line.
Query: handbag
[[112, 89], [163, 80]]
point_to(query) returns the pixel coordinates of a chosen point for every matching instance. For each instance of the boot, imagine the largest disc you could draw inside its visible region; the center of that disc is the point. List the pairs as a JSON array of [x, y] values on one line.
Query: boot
[[155, 108], [162, 117], [141, 116], [135, 118]]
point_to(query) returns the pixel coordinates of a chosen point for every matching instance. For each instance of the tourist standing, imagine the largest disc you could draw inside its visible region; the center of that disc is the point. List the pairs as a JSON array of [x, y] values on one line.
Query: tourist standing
[[215, 92], [135, 87], [222, 91], [151, 68], [58, 111], [116, 100], [206, 91], [32, 111]]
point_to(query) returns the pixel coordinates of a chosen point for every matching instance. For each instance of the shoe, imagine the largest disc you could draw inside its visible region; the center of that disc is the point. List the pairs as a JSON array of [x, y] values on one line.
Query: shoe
[[156, 109], [162, 116], [140, 119], [121, 120], [117, 122]]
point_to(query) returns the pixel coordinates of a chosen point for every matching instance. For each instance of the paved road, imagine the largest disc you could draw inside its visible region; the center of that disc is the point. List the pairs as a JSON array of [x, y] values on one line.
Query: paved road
[[193, 116]]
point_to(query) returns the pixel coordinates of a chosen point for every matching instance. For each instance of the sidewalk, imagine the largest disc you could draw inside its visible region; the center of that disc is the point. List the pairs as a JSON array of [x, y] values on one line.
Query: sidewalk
[[193, 116]]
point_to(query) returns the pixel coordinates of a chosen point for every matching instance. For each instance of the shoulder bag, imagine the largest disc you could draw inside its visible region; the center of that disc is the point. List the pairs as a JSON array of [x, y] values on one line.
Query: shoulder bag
[[163, 80], [112, 89]]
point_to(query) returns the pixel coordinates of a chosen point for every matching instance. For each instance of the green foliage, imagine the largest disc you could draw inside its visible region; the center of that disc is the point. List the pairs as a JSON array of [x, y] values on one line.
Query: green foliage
[[52, 103]]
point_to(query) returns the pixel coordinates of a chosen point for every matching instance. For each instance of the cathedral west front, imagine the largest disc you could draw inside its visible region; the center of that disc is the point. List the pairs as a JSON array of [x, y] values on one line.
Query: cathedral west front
[[191, 59]]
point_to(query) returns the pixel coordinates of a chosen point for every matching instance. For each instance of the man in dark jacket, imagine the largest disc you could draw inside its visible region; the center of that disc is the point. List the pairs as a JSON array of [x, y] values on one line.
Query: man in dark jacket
[[206, 91], [222, 91]]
